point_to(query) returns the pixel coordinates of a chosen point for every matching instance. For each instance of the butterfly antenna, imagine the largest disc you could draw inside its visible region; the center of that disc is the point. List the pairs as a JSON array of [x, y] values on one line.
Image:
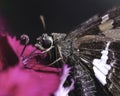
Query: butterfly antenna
[[43, 22]]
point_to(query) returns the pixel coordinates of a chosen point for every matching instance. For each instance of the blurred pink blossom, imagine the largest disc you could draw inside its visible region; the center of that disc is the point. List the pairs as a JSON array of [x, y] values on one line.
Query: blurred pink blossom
[[15, 80], [61, 90]]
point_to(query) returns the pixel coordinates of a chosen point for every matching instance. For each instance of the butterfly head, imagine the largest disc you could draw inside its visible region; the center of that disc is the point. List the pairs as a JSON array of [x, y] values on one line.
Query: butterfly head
[[44, 42]]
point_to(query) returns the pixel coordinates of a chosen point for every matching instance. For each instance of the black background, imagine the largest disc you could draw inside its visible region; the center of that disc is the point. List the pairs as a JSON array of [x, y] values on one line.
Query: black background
[[60, 15]]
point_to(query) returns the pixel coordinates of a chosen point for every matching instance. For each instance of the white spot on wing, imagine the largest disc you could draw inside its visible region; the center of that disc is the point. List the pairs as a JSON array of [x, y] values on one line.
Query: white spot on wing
[[101, 67], [105, 18]]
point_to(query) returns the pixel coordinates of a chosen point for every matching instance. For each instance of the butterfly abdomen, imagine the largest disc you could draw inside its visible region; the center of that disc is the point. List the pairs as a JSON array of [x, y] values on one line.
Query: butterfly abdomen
[[84, 82]]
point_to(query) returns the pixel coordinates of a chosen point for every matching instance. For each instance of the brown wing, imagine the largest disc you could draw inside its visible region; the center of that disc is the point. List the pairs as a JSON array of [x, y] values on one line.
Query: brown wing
[[90, 39]]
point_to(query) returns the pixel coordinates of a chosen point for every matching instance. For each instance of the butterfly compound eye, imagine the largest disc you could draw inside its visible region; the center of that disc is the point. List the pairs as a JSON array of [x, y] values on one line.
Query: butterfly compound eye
[[47, 41]]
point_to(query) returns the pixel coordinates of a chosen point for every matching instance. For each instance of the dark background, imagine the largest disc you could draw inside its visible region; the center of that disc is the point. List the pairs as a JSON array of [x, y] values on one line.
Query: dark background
[[60, 15]]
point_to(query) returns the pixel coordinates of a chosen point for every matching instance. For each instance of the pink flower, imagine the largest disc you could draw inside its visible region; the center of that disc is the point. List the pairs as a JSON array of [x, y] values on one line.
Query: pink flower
[[61, 91], [16, 80]]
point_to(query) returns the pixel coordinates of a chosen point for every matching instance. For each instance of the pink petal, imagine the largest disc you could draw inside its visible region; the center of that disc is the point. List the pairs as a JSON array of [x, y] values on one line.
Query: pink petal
[[61, 91], [19, 81]]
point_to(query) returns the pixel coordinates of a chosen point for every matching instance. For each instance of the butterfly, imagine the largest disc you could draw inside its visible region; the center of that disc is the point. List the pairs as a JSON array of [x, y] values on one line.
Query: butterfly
[[94, 54], [91, 50]]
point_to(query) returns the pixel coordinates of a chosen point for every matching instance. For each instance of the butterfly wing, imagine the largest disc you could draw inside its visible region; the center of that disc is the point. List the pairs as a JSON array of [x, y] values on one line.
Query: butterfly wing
[[95, 45]]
